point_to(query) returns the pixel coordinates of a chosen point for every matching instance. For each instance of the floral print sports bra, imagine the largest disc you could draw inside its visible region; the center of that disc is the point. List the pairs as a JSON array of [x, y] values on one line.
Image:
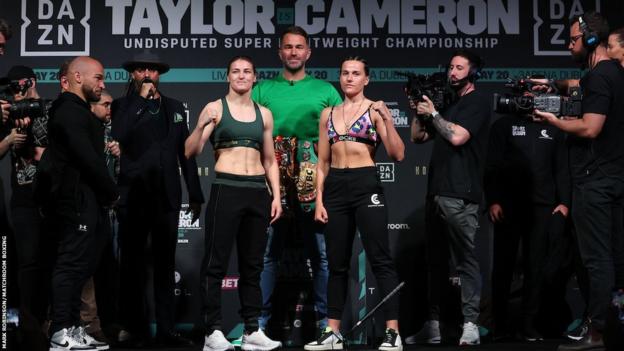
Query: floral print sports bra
[[361, 131]]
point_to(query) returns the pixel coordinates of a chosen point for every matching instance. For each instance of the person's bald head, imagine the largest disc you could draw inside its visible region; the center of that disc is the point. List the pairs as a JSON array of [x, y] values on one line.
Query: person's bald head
[[85, 78]]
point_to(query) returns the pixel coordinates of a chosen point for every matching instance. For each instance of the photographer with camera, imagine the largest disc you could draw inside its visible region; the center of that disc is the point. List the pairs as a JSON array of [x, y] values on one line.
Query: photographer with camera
[[454, 191], [26, 143], [596, 150], [527, 190]]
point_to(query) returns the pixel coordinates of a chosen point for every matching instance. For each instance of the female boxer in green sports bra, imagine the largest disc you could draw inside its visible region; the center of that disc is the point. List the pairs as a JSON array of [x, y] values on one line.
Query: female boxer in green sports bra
[[241, 205]]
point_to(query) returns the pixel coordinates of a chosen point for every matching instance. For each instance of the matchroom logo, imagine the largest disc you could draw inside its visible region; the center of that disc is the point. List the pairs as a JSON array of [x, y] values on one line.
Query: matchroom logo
[[55, 27]]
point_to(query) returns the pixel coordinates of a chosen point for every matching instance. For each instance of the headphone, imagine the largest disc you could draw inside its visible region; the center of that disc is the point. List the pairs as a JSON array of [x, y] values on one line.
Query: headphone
[[591, 40], [475, 71]]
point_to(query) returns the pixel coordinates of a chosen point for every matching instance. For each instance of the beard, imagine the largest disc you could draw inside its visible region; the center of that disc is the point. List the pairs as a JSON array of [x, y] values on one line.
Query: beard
[[458, 84], [294, 69], [91, 94], [580, 57], [139, 83]]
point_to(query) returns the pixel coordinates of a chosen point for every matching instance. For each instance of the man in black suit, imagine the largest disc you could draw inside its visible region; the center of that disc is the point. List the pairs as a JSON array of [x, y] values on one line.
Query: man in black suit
[[74, 188], [151, 129]]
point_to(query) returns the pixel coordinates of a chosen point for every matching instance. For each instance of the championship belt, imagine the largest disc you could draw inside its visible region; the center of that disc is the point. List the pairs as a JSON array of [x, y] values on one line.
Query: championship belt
[[306, 180], [285, 156]]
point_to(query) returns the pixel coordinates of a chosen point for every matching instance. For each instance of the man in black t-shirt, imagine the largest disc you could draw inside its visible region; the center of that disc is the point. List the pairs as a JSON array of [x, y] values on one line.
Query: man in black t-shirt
[[454, 192], [596, 150]]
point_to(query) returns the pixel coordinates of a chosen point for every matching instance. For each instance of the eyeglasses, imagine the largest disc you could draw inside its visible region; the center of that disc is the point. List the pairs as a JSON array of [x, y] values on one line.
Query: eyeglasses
[[575, 38]]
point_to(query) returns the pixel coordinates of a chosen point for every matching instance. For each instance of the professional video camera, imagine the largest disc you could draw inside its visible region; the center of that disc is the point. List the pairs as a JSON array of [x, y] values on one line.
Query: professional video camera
[[519, 102], [435, 86], [33, 108]]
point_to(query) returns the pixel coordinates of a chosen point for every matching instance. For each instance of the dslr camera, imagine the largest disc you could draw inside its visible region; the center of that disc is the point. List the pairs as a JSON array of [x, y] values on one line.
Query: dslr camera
[[435, 86], [519, 102], [33, 108]]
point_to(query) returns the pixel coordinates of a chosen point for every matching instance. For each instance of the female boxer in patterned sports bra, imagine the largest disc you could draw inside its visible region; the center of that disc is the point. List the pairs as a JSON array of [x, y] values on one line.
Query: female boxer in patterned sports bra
[[241, 206], [349, 196]]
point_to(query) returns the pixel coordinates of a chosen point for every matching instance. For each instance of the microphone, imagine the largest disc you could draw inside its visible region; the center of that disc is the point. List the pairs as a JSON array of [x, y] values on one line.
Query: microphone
[[150, 93]]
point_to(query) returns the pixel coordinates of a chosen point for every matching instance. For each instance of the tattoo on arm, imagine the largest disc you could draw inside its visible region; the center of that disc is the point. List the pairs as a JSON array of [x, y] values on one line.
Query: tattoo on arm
[[444, 127]]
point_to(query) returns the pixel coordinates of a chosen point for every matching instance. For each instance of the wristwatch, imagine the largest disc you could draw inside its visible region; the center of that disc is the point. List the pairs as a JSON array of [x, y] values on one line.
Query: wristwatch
[[435, 114]]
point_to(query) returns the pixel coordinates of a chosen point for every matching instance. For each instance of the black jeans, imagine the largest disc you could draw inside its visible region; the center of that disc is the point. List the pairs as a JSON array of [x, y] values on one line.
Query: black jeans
[[597, 206], [354, 198], [106, 278], [240, 213], [81, 239], [145, 215], [529, 223]]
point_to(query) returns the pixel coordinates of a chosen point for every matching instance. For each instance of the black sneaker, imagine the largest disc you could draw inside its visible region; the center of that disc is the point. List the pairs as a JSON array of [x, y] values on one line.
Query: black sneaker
[[578, 332], [530, 334], [591, 341], [391, 342]]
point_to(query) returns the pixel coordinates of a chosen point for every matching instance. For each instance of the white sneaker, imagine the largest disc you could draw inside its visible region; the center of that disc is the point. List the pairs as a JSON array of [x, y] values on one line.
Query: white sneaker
[[392, 341], [429, 334], [258, 341], [329, 340], [217, 342], [470, 336], [67, 339], [89, 340]]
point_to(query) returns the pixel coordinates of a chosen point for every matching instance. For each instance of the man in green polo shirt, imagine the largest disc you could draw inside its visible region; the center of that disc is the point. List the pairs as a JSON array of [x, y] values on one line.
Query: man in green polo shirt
[[296, 101]]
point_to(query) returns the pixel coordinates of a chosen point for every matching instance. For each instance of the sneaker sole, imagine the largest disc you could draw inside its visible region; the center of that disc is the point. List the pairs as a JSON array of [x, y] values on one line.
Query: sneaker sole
[[466, 343], [394, 348], [259, 348], [432, 341], [231, 347], [533, 339], [52, 348], [103, 347], [322, 347]]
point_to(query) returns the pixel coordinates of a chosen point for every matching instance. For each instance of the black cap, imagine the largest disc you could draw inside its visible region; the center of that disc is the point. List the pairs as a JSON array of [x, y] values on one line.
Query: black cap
[[146, 59], [17, 73]]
